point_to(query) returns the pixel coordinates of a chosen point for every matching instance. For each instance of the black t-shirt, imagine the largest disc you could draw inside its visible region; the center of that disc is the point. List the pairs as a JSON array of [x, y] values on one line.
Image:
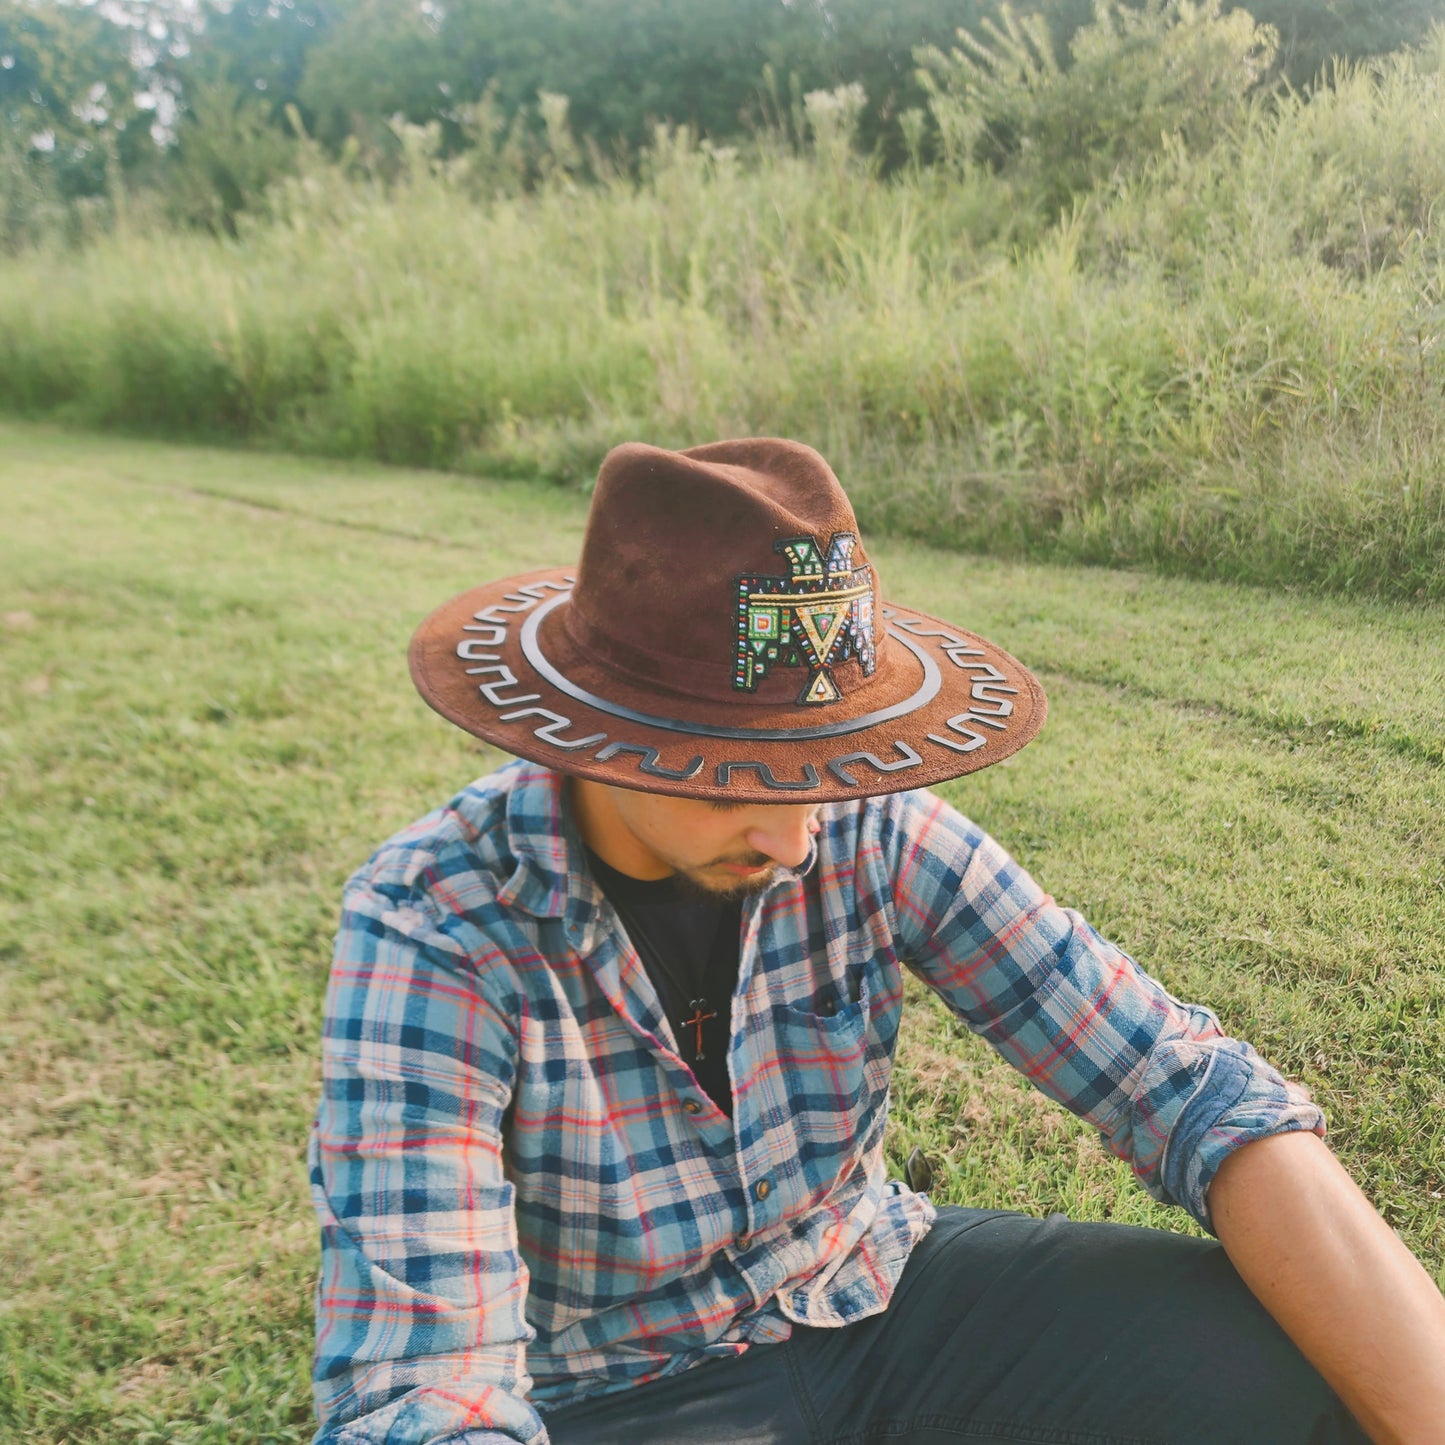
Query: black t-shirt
[[688, 942]]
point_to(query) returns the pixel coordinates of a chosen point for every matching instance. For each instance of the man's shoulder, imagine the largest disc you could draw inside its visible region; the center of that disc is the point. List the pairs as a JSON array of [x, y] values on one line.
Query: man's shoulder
[[484, 842], [915, 814]]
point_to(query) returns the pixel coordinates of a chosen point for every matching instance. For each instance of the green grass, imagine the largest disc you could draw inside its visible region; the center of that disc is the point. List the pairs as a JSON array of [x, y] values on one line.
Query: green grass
[[206, 723]]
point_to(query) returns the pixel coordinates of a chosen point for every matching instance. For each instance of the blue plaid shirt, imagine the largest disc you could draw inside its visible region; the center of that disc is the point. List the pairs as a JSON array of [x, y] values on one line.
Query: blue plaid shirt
[[526, 1198]]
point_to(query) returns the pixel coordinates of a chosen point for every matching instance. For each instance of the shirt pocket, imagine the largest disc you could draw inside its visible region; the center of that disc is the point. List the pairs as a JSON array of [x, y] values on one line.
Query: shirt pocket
[[835, 1107]]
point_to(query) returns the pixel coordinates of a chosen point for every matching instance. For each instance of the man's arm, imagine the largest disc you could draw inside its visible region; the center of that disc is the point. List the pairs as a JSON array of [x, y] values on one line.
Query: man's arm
[[1338, 1280], [421, 1330], [1203, 1120], [1169, 1091]]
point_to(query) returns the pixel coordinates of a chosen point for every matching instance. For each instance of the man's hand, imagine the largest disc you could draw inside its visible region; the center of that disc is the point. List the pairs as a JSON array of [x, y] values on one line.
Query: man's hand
[[1338, 1279]]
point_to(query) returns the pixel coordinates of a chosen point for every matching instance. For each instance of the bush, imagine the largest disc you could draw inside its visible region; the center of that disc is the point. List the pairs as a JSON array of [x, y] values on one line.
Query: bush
[[1136, 79], [1227, 357]]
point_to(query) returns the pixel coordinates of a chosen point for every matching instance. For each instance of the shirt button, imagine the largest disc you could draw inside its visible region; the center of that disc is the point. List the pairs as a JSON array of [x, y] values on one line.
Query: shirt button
[[743, 1240], [762, 1189], [692, 1106]]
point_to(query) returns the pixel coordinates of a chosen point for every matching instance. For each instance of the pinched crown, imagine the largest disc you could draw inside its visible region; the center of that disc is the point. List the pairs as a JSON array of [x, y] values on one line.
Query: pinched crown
[[679, 585]]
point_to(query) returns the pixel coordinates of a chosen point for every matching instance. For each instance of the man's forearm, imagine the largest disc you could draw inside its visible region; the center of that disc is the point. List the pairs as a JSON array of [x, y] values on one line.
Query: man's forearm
[[1338, 1279]]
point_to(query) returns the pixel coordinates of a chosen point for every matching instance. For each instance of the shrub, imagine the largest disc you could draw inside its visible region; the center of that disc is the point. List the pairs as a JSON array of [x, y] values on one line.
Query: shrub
[[1136, 78], [1227, 357]]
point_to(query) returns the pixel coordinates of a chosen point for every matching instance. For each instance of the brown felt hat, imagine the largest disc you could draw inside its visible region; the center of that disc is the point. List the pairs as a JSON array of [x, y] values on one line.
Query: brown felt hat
[[723, 636]]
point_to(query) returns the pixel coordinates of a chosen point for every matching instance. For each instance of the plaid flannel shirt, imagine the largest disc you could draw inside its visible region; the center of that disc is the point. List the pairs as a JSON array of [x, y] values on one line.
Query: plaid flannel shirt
[[526, 1198]]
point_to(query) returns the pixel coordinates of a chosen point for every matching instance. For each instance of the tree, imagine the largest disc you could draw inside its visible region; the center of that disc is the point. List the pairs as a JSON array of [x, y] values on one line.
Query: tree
[[1311, 31], [261, 46], [226, 155], [383, 58], [67, 91]]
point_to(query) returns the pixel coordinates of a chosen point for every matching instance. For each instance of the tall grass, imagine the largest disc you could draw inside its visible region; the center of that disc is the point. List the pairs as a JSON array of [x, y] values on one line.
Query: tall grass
[[1226, 359]]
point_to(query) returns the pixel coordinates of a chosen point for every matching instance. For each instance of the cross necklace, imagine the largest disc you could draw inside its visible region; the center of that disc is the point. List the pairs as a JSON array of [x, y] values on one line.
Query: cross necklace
[[700, 1007]]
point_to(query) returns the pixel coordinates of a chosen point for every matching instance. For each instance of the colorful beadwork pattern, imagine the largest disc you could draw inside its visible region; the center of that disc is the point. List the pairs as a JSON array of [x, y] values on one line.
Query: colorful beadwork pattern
[[817, 616]]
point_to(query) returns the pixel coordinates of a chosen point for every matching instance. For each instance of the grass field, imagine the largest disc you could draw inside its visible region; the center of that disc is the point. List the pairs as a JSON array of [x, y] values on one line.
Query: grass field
[[205, 724]]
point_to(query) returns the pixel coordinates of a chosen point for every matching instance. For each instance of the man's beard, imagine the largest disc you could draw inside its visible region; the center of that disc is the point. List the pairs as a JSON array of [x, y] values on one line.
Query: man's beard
[[703, 883]]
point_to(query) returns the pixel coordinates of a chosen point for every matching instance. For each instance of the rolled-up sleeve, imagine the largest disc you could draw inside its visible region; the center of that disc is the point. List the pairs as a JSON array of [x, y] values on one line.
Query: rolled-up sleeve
[[421, 1324], [1169, 1091]]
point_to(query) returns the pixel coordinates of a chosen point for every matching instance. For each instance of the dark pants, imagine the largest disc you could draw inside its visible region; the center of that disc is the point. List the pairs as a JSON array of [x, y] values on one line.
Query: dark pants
[[1008, 1328]]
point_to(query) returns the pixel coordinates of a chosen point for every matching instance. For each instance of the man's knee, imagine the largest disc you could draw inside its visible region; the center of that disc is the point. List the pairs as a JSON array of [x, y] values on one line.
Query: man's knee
[[1055, 1320]]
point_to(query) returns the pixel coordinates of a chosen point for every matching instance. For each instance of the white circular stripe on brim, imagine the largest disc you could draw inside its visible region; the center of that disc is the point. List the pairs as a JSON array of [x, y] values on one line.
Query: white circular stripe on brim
[[484, 661], [927, 691]]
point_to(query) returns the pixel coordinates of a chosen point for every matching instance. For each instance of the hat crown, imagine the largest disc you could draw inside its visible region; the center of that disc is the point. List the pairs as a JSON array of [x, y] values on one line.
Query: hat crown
[[717, 641], [731, 572]]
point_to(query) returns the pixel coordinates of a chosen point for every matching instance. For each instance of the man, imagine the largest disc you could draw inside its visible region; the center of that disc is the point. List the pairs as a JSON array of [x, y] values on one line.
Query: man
[[609, 1037]]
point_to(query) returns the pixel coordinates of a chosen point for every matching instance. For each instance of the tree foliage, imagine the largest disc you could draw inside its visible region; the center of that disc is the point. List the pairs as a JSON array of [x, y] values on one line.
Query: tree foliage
[[67, 92], [225, 84], [1312, 31], [226, 157], [377, 60]]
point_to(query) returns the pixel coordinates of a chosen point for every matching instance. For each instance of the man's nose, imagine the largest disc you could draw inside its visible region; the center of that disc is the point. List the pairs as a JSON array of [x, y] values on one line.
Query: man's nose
[[785, 834]]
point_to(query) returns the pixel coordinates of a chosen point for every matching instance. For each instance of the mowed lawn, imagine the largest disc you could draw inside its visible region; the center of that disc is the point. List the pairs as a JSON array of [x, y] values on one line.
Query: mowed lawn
[[206, 724]]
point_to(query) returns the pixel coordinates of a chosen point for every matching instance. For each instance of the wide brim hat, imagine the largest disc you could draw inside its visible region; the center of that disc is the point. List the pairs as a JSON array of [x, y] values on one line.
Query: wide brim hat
[[723, 636]]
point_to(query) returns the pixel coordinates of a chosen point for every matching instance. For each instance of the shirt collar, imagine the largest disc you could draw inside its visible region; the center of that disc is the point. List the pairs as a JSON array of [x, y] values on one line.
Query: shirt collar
[[543, 840], [806, 866]]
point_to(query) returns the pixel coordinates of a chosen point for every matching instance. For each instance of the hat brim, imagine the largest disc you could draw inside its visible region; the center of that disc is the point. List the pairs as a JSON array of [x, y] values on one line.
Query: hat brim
[[947, 702]]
